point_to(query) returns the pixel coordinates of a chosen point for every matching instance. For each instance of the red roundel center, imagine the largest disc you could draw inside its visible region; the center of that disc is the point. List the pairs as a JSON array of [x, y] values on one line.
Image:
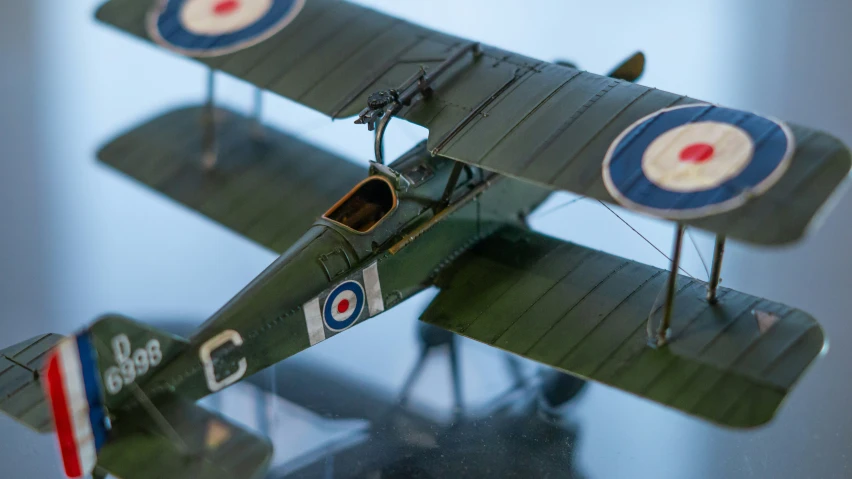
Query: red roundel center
[[343, 305], [696, 153], [225, 7]]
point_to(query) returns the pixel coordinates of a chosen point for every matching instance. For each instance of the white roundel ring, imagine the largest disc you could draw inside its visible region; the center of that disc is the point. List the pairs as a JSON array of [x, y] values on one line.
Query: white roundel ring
[[343, 306], [696, 160], [216, 27]]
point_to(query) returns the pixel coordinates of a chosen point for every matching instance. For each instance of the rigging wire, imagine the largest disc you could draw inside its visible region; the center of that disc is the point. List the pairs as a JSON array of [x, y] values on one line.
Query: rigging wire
[[698, 250], [157, 416], [575, 200], [558, 207], [650, 326], [646, 239], [152, 410]]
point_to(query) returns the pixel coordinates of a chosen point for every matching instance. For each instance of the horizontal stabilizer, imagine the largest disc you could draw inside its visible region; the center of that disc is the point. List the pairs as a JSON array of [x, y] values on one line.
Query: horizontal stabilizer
[[21, 393], [266, 185], [184, 441], [585, 312], [630, 69]]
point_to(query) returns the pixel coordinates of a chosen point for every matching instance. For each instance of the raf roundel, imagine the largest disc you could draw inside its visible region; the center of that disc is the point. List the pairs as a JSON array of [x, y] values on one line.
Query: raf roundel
[[696, 160], [343, 306], [206, 28]]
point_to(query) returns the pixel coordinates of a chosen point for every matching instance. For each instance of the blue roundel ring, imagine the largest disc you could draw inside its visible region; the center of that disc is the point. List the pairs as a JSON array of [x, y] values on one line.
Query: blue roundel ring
[[165, 26], [773, 145], [352, 313]]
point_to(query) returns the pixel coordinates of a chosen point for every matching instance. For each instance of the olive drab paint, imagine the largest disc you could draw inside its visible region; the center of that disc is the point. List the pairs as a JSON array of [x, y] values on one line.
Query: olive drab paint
[[504, 131]]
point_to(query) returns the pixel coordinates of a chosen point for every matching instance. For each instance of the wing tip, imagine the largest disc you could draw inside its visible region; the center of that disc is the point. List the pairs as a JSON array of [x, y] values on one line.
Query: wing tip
[[838, 163], [774, 400], [836, 192]]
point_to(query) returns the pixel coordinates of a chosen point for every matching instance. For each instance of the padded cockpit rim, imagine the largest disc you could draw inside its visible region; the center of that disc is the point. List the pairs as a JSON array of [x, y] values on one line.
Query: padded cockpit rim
[[354, 189]]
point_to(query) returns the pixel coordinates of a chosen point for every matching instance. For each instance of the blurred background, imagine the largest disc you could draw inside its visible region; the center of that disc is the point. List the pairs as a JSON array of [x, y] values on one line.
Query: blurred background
[[78, 240]]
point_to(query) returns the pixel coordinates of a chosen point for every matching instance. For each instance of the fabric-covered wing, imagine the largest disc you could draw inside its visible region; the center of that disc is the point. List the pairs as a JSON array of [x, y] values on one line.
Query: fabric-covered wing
[[330, 58], [508, 113], [269, 188], [585, 312], [197, 443], [21, 393]]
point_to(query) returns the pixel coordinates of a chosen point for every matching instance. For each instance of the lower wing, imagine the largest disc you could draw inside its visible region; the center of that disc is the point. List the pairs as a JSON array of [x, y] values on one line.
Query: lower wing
[[585, 312], [266, 185]]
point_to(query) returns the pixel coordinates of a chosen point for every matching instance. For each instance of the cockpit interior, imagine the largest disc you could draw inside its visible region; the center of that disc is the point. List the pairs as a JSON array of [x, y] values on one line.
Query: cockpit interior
[[365, 206]]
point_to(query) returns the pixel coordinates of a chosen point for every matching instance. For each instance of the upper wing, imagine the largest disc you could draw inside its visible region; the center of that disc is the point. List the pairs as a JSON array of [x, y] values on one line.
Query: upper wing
[[330, 57], [585, 312], [21, 393], [270, 189], [518, 116], [183, 441]]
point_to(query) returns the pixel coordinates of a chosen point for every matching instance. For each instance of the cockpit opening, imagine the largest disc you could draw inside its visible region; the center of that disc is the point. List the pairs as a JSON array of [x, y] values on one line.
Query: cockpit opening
[[365, 206]]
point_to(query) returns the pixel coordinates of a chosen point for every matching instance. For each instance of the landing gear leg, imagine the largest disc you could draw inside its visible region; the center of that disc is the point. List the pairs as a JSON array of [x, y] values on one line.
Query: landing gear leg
[[455, 367], [432, 337], [412, 377]]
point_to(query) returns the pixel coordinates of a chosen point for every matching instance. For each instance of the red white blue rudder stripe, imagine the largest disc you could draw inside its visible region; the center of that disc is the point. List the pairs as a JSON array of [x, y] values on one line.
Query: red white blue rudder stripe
[[204, 28], [73, 388], [696, 160]]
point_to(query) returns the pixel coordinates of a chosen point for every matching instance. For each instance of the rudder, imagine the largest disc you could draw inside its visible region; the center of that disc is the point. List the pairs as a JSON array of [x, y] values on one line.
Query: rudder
[[92, 371]]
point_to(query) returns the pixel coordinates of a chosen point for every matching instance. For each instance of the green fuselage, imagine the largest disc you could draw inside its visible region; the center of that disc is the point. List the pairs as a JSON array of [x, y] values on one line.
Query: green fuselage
[[409, 246]]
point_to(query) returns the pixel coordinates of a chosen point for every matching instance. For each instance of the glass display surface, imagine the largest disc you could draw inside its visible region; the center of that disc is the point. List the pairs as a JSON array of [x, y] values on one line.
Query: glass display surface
[[79, 240]]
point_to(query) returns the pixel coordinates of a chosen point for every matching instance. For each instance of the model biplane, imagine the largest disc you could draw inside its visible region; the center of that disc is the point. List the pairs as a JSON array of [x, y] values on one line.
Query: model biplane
[[505, 131]]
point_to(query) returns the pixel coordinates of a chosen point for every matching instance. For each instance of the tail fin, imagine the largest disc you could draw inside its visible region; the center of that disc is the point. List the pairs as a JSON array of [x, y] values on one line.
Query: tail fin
[[90, 372], [128, 353]]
